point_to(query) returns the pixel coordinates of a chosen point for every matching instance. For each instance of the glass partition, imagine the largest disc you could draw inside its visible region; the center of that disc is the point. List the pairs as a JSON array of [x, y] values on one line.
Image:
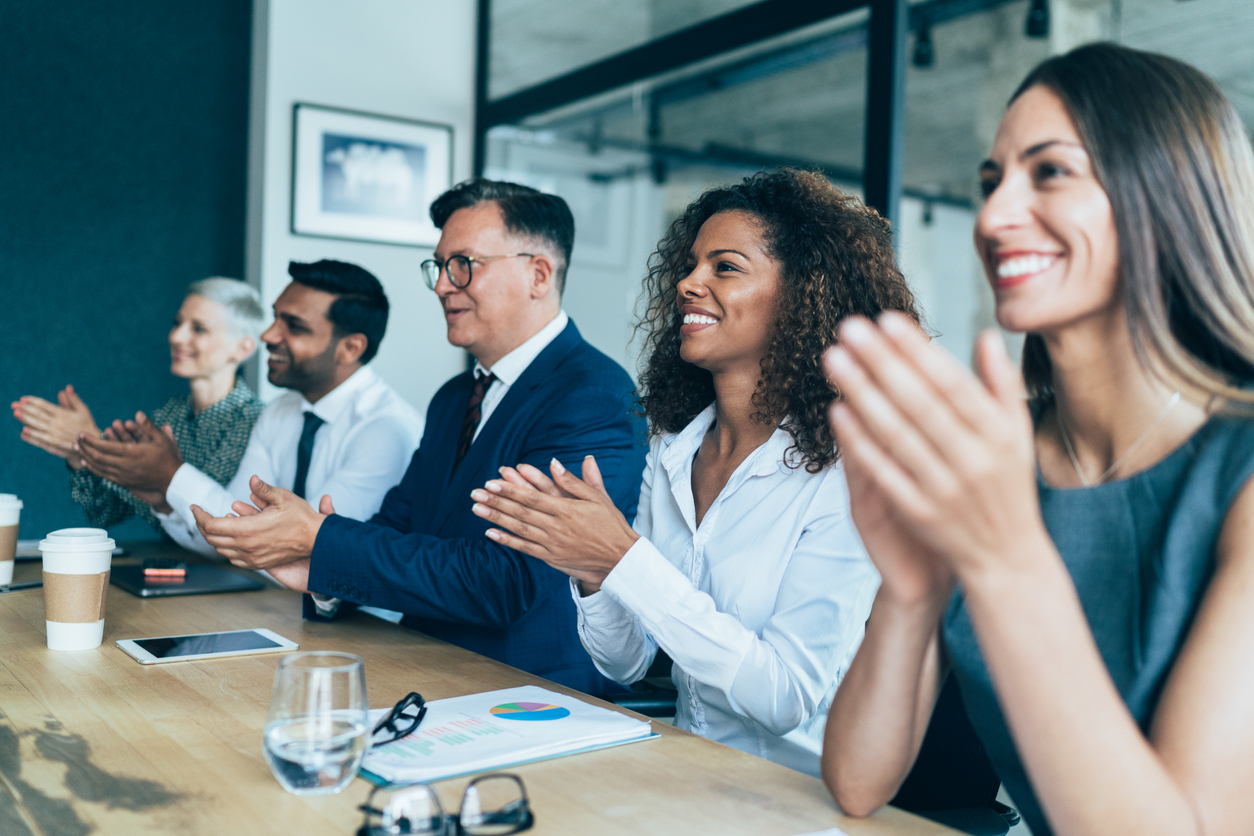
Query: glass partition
[[534, 41], [955, 102], [630, 162], [631, 159]]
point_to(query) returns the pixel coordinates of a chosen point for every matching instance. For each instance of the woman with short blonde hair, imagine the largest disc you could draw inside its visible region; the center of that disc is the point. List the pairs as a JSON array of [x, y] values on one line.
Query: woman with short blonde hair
[[215, 330]]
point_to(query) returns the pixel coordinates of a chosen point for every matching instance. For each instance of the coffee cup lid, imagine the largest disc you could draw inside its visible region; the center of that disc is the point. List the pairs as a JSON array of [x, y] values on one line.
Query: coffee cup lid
[[10, 500], [70, 540]]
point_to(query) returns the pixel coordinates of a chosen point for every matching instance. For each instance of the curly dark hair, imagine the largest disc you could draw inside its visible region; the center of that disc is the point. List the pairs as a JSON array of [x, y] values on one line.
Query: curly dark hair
[[836, 260]]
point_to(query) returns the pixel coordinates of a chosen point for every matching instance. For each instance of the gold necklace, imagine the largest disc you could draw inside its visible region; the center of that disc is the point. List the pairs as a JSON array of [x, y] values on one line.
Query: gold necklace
[[1084, 480]]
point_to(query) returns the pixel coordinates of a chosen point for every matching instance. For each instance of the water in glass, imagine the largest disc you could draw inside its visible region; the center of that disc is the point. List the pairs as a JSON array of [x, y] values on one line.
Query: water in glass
[[317, 731]]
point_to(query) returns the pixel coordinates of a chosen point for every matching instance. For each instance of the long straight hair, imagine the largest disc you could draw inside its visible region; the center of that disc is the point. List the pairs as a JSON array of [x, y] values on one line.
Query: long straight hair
[[1176, 163]]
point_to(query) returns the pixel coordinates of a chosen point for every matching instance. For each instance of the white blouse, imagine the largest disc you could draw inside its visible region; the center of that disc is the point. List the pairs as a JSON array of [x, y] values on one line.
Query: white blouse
[[761, 607]]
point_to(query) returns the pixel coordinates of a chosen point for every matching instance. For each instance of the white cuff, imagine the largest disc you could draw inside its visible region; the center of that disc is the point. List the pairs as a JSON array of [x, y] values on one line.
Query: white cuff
[[325, 605], [612, 636], [644, 581], [597, 606], [706, 643], [191, 487], [188, 536]]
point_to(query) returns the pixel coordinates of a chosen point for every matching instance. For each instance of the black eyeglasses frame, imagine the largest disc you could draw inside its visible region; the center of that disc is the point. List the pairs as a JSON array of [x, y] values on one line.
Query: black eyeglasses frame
[[442, 267], [451, 823], [392, 721]]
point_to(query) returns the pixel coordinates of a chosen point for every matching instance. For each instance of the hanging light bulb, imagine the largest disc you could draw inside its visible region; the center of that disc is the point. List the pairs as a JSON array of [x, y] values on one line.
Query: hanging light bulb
[[1037, 23], [924, 55]]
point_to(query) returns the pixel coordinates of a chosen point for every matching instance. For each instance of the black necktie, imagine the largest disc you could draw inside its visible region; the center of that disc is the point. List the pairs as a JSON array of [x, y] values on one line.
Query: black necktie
[[474, 412], [305, 451]]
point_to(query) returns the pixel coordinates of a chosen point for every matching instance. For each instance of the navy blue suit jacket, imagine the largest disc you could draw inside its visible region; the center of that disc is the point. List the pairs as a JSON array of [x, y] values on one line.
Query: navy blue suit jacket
[[425, 553]]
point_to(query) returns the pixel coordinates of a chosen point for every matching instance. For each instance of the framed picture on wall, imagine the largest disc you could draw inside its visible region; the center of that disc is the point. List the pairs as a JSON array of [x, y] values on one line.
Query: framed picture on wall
[[366, 177]]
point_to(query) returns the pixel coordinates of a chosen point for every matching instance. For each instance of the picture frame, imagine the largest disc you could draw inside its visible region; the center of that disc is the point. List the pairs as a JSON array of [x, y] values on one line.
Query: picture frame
[[367, 177]]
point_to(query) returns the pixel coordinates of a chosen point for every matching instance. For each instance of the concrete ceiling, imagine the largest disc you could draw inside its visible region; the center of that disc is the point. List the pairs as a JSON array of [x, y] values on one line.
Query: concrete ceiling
[[815, 112]]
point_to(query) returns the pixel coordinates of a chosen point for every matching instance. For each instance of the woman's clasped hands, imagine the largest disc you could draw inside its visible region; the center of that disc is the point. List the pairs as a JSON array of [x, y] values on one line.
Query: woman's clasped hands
[[569, 523], [941, 464]]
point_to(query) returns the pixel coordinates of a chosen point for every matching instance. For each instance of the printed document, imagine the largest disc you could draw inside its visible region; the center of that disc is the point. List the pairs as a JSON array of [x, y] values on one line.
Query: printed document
[[482, 732]]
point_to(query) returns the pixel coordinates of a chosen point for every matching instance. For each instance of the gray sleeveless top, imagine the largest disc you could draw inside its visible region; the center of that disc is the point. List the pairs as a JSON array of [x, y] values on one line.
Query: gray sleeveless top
[[1141, 552]]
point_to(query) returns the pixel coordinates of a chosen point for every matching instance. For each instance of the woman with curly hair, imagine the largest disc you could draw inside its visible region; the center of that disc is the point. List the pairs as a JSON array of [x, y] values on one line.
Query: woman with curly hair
[[743, 564]]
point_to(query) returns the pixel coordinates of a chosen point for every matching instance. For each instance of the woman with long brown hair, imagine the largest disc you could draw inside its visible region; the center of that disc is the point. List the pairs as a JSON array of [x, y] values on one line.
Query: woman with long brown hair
[[743, 564], [1101, 536]]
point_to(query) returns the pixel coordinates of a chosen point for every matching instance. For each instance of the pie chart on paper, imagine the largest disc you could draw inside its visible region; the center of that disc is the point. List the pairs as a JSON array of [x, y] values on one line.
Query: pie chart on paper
[[529, 711]]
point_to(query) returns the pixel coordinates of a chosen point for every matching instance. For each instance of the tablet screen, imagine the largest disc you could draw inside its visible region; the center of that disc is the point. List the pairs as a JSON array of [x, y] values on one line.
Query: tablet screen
[[173, 647]]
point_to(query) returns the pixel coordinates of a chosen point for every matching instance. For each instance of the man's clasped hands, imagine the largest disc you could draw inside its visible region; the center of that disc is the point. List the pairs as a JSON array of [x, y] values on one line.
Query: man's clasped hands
[[569, 523]]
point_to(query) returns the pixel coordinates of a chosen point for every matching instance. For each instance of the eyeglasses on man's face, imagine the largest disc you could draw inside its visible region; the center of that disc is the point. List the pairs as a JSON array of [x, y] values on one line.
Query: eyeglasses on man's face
[[492, 805], [458, 268]]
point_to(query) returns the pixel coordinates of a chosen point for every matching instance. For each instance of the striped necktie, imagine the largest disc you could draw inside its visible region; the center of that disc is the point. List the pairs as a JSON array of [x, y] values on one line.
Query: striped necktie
[[474, 412]]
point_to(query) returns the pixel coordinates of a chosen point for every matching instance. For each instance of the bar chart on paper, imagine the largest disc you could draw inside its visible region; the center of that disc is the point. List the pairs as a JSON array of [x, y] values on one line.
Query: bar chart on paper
[[428, 741], [488, 731]]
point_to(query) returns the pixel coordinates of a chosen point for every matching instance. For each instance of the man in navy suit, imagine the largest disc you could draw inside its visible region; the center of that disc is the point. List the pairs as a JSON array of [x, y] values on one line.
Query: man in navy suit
[[537, 392]]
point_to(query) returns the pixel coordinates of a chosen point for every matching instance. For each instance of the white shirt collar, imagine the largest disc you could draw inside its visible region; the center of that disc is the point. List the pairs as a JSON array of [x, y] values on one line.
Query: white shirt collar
[[510, 367], [680, 448], [333, 404]]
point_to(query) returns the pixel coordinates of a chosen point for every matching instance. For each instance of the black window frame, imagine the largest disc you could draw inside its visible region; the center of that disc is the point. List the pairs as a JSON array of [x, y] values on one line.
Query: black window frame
[[883, 149]]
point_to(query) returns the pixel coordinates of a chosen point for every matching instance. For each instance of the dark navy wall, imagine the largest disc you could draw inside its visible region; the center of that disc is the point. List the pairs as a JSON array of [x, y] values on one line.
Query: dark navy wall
[[123, 141]]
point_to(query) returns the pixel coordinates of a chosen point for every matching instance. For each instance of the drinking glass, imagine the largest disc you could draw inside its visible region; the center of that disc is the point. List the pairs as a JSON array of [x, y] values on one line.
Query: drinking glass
[[318, 730]]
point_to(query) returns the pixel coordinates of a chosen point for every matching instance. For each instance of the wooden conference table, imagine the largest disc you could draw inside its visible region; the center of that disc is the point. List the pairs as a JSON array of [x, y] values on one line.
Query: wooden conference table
[[93, 742]]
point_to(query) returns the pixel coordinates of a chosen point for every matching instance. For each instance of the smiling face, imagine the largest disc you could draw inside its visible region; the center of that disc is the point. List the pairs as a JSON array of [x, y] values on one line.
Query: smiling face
[[1046, 233], [728, 297], [301, 341], [201, 341], [508, 299]]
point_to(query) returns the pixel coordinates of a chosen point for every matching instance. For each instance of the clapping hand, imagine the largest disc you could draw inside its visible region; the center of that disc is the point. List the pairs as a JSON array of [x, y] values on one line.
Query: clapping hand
[[55, 427], [136, 455], [947, 457], [278, 529], [570, 524]]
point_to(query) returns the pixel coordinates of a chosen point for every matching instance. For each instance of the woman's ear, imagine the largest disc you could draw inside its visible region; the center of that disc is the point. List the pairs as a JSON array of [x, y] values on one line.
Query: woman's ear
[[244, 348]]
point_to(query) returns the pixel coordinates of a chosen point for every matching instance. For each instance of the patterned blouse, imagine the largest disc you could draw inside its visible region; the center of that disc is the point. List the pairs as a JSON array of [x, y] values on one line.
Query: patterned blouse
[[213, 442]]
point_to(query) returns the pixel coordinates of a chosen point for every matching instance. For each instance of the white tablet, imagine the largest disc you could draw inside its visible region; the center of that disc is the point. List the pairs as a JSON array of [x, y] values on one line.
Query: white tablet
[[205, 646]]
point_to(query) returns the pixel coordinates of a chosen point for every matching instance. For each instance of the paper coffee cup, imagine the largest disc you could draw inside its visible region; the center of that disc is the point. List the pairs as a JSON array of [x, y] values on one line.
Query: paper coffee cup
[[76, 577], [10, 510]]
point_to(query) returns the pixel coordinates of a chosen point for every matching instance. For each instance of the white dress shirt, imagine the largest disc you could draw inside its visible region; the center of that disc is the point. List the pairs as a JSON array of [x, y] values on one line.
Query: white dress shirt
[[510, 367], [761, 607], [360, 452]]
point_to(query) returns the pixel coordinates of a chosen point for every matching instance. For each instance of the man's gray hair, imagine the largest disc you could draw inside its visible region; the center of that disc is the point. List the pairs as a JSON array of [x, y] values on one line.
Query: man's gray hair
[[244, 314]]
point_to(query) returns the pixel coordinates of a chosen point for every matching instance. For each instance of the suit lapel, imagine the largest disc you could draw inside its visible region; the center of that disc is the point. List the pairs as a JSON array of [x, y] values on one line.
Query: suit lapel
[[444, 448], [487, 443]]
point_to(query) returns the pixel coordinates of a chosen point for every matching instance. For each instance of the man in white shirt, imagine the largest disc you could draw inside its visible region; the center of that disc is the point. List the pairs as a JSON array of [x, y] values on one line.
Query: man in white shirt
[[341, 430], [538, 392]]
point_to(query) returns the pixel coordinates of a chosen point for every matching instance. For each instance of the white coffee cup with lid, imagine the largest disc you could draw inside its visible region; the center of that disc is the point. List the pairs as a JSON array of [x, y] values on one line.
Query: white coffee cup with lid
[[10, 512], [76, 578]]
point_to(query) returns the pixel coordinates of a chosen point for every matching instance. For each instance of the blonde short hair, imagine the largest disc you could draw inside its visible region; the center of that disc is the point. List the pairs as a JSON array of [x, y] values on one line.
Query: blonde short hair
[[245, 316]]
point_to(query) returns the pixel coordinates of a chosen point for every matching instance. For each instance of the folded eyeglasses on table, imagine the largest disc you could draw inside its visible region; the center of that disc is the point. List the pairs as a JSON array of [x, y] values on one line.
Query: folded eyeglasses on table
[[492, 805], [401, 720]]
